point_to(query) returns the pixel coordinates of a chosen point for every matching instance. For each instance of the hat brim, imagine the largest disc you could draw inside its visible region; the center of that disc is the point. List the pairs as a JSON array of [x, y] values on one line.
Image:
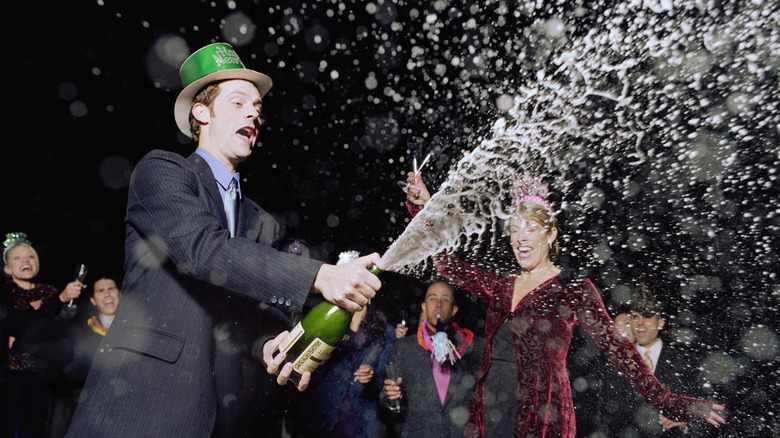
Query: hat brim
[[183, 105]]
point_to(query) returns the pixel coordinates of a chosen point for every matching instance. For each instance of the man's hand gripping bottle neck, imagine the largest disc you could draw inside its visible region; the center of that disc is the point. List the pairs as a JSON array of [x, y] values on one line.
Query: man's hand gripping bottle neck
[[313, 339]]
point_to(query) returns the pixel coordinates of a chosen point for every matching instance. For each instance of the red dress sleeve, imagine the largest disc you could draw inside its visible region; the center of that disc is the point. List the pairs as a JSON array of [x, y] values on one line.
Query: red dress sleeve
[[469, 277], [594, 318], [413, 208]]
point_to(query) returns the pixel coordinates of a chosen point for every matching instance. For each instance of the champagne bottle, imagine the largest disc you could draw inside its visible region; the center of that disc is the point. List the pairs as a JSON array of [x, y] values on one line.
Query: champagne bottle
[[313, 339]]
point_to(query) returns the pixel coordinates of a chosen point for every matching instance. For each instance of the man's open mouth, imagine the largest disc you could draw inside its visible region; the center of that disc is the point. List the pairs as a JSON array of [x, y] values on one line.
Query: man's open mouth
[[246, 132]]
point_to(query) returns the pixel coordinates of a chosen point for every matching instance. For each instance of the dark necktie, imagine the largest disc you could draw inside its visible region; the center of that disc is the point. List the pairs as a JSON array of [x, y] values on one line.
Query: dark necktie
[[231, 206]]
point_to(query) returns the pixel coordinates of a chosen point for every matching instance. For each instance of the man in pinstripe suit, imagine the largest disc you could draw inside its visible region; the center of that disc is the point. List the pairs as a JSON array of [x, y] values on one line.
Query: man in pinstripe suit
[[170, 366]]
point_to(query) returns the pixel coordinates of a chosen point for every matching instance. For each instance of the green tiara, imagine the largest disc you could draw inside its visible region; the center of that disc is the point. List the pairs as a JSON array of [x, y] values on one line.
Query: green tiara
[[13, 239]]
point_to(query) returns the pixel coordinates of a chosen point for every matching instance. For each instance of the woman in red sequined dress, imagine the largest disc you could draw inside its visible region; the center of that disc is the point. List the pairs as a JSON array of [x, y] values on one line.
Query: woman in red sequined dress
[[528, 329], [29, 309]]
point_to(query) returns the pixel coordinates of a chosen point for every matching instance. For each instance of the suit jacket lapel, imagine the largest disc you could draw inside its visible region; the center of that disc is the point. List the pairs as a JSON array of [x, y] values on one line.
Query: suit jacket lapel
[[664, 370], [210, 184], [247, 210], [429, 390], [253, 222], [454, 383]]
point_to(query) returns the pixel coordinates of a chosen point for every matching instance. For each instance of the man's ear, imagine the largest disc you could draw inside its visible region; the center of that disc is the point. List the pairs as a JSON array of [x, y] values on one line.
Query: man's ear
[[92, 300], [454, 311], [661, 323], [201, 113]]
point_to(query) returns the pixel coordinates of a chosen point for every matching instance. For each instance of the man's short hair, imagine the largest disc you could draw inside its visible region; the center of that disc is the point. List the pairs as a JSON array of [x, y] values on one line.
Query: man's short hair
[[645, 302], [449, 285], [118, 287], [206, 96]]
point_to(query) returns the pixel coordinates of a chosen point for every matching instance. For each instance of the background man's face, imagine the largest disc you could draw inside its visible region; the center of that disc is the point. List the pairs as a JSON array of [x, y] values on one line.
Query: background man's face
[[105, 296], [439, 301], [646, 328]]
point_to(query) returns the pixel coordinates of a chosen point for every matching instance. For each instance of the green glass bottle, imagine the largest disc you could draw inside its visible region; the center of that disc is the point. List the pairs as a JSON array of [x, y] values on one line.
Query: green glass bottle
[[313, 339]]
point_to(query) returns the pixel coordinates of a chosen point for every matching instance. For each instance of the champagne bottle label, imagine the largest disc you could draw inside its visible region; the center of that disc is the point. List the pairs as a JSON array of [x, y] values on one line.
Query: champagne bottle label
[[314, 355], [291, 338]]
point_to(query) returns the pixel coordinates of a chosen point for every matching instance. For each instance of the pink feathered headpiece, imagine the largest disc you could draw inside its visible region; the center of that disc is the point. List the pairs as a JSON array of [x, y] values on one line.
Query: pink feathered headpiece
[[530, 189]]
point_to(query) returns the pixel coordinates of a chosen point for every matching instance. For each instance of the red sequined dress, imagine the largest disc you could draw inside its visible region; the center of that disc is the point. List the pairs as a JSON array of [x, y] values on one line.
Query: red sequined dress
[[540, 328]]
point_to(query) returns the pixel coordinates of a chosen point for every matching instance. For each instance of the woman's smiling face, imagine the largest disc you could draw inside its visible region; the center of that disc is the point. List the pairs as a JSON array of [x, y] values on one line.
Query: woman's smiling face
[[530, 242], [22, 262]]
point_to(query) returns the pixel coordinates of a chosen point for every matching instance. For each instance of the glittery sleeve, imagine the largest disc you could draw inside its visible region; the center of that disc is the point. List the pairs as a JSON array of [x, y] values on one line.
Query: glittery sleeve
[[472, 278], [413, 208], [469, 277]]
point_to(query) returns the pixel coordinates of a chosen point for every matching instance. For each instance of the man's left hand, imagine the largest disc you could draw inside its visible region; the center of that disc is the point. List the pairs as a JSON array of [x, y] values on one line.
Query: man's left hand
[[274, 364], [670, 424]]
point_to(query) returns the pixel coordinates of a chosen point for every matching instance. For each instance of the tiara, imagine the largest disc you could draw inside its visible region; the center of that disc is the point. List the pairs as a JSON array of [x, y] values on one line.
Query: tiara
[[13, 239], [529, 189]]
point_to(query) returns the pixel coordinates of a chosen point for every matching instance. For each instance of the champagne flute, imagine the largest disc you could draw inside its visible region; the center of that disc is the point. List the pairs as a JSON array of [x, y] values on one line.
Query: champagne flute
[[81, 273], [420, 157], [394, 374]]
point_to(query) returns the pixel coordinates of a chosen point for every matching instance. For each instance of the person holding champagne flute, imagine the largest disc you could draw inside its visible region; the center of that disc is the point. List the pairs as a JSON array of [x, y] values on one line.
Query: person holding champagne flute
[[437, 369], [31, 310], [342, 398], [528, 329]]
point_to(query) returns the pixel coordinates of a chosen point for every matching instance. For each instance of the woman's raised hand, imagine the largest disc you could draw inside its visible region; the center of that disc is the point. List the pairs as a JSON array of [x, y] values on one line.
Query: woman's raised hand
[[71, 291], [416, 193]]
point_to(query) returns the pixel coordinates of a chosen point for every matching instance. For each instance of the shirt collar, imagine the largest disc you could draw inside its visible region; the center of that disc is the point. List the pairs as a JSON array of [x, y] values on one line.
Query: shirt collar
[[105, 320], [655, 351], [220, 171]]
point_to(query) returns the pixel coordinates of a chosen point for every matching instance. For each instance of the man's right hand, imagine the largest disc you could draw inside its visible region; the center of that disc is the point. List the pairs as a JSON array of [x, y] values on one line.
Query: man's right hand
[[350, 285], [400, 331], [392, 389]]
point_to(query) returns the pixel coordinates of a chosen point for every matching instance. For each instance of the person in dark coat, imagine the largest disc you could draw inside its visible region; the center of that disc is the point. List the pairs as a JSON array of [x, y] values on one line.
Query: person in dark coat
[[435, 396], [35, 313], [198, 258]]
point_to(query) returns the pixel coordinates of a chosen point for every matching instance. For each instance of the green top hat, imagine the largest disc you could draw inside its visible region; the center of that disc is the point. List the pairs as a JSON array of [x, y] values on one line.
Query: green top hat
[[215, 62]]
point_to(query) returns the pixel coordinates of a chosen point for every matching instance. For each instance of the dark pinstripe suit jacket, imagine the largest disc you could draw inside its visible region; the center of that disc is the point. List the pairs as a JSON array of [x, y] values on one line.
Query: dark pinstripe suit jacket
[[168, 361], [424, 415], [625, 413]]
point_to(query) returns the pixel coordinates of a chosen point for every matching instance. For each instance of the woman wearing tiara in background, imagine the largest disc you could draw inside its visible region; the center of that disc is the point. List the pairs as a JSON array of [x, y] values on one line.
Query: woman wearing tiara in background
[[29, 352], [528, 329]]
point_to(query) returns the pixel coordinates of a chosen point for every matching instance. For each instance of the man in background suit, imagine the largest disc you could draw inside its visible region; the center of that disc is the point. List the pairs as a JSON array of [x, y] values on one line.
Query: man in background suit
[[83, 336], [675, 366], [197, 253], [437, 396]]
